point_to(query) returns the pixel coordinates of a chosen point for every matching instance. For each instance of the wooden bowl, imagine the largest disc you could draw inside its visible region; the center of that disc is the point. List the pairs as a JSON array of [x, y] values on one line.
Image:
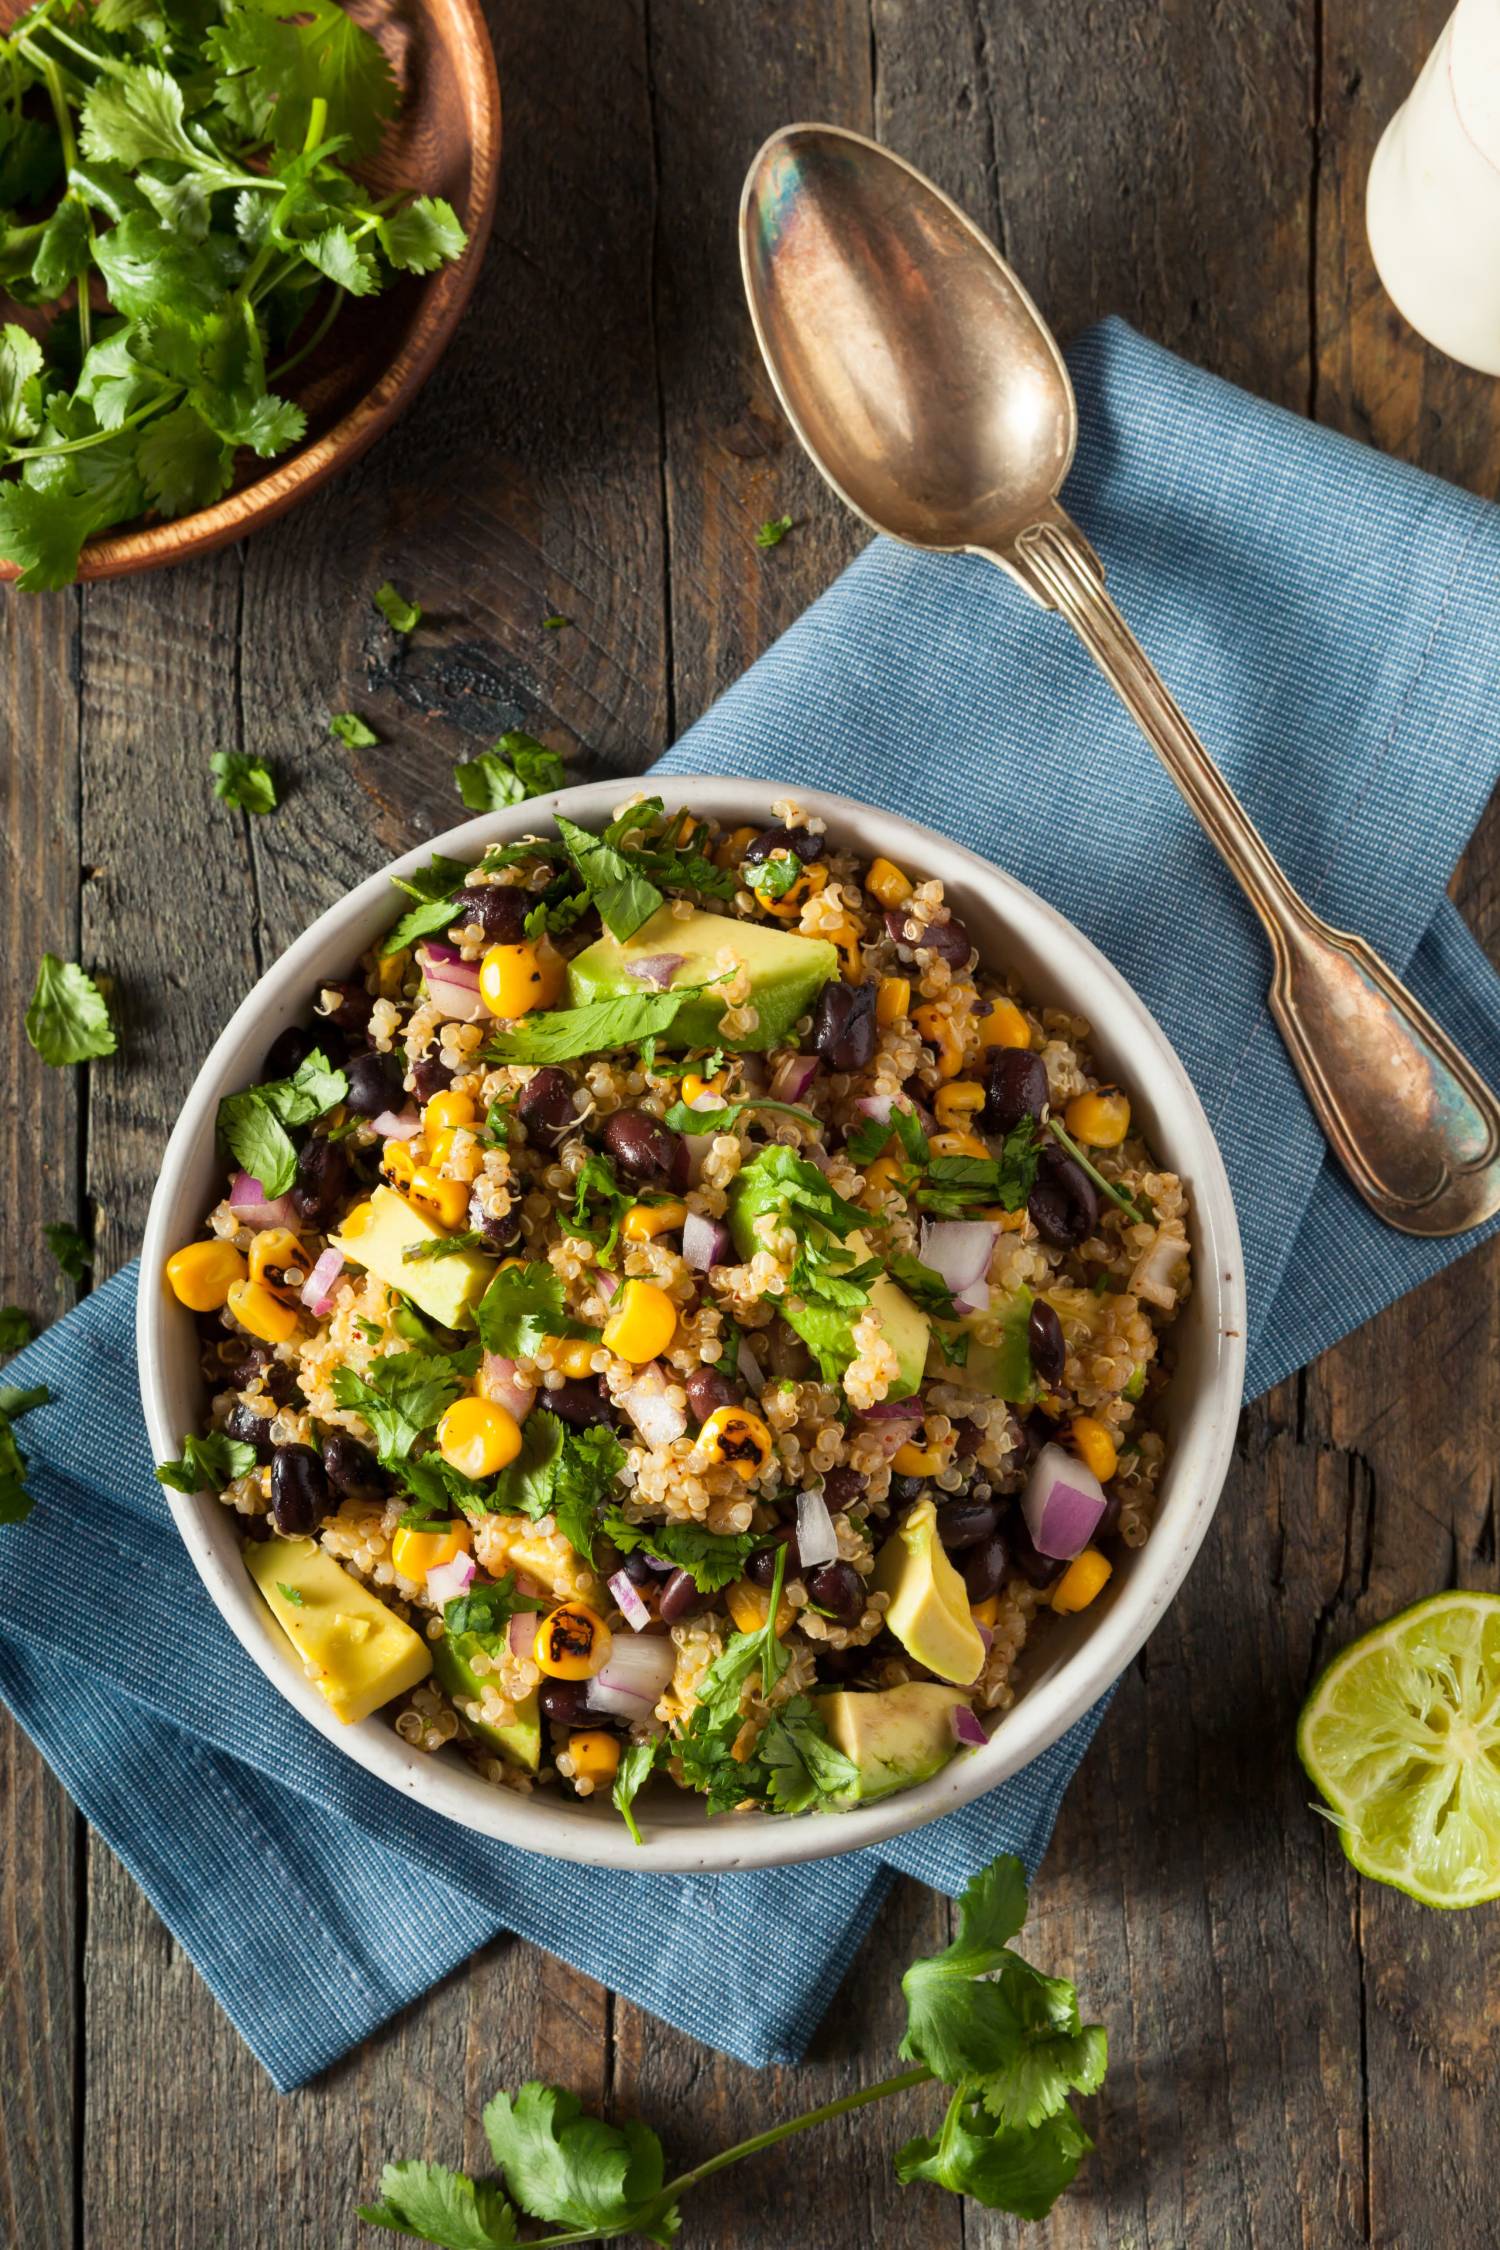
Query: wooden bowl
[[443, 140]]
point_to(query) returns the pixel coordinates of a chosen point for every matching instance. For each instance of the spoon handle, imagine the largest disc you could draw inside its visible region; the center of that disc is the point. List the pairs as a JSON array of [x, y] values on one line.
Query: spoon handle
[[1408, 1116]]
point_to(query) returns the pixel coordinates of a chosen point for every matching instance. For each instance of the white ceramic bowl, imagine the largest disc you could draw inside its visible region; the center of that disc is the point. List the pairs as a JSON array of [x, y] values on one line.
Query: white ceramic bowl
[[1077, 1658]]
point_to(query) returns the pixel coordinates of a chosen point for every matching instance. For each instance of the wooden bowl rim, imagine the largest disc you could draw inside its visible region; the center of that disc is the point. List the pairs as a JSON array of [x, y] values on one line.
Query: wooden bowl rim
[[445, 294]]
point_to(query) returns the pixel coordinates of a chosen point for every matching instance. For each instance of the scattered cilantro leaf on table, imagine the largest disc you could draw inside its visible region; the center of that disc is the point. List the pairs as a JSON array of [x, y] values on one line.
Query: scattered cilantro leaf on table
[[511, 770], [440, 2206], [72, 1250], [773, 531], [243, 782], [67, 1019], [351, 730], [555, 624], [16, 1502], [401, 615], [16, 1328], [575, 2170]]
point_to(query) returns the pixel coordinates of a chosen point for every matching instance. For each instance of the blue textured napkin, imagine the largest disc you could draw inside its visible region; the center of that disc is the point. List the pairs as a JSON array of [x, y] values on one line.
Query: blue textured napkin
[[1357, 726]]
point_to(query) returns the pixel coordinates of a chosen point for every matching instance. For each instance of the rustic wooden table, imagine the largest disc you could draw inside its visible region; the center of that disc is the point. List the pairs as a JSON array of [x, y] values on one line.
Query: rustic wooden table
[[1298, 2058]]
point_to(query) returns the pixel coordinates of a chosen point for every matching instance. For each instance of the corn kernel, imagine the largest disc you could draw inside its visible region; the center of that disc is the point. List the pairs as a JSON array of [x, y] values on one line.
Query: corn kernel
[[844, 938], [733, 847], [954, 1104], [271, 1253], [513, 979], [643, 1222], [735, 1435], [694, 1088], [1004, 1026], [201, 1274], [892, 999], [477, 1436], [883, 1175], [572, 1643], [265, 1316], [446, 1111], [788, 908], [957, 1144], [886, 882], [987, 1612], [595, 1756], [414, 1553], [643, 1324], [913, 1460], [1094, 1446], [935, 1025], [749, 1608], [397, 1163], [573, 1355], [356, 1222], [1087, 1575], [1100, 1119], [448, 1200]]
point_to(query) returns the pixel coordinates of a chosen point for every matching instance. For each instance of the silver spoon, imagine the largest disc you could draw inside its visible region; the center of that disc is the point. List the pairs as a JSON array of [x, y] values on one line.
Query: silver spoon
[[929, 392]]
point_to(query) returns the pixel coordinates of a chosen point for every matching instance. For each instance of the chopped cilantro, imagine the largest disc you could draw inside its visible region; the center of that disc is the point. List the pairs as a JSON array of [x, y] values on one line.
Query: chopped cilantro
[[351, 730], [67, 1018], [555, 624], [625, 898], [772, 878], [443, 1246], [16, 1328], [72, 1250], [712, 1559], [435, 888], [401, 615], [563, 1034], [684, 1119], [515, 768], [521, 1308], [292, 1594], [773, 531], [599, 1205], [242, 781], [486, 1610], [208, 1464]]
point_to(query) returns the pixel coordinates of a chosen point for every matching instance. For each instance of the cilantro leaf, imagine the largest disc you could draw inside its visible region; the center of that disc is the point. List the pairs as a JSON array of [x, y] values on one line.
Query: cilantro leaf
[[441, 2206], [940, 1990], [924, 1285], [1020, 2170], [274, 64], [563, 1034], [134, 115], [515, 768], [624, 897], [435, 889], [401, 615], [420, 237], [336, 254], [348, 728], [252, 1124], [15, 1501], [780, 1179], [521, 1308], [208, 1464], [72, 1250], [43, 529], [804, 1767], [20, 389], [773, 531], [242, 781], [555, 624], [575, 2170], [67, 1020], [587, 1467], [185, 464], [16, 1328], [599, 1205], [487, 1610], [712, 1559], [292, 1594], [772, 878], [401, 1396], [684, 1119], [63, 251], [634, 1771]]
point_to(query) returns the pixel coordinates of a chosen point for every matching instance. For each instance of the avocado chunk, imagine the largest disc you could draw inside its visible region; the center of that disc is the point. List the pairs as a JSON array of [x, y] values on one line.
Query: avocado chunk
[[787, 972], [825, 1329], [377, 1234], [357, 1652], [895, 1737], [929, 1607], [521, 1741], [1002, 1369]]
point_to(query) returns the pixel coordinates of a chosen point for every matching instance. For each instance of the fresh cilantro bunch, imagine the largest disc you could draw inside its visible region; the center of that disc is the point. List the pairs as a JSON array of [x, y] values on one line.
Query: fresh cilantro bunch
[[188, 160], [1006, 2041]]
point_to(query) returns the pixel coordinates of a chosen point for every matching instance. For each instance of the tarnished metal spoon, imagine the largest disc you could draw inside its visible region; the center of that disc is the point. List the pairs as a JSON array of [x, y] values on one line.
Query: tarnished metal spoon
[[929, 392]]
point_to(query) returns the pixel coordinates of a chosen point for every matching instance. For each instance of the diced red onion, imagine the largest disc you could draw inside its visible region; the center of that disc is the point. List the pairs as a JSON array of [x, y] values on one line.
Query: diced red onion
[[890, 1410], [606, 1283], [792, 1077], [890, 1436], [656, 969], [397, 1124], [877, 1107], [985, 1635], [960, 1250], [447, 962], [749, 1366], [253, 1208], [632, 1608], [1062, 1504], [631, 1684], [460, 1003], [817, 1541], [967, 1728], [657, 1563], [499, 1381], [451, 1579], [658, 1418], [697, 1146], [317, 1289], [521, 1633], [437, 949], [705, 1242]]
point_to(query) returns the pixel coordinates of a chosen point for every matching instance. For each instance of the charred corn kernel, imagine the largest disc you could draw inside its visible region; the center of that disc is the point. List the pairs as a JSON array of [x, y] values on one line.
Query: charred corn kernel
[[274, 1250], [1004, 1026], [643, 1323], [1094, 1446], [446, 1111], [892, 999], [957, 1144], [935, 1025], [844, 938], [513, 979], [1086, 1575], [1100, 1119], [414, 1553], [643, 1222], [956, 1103], [987, 1612], [735, 1435], [573, 1355], [882, 1175], [447, 1200], [913, 1460], [266, 1317], [732, 848], [572, 1643], [595, 1756], [886, 882], [749, 1608], [201, 1274], [788, 907], [397, 1163], [478, 1436]]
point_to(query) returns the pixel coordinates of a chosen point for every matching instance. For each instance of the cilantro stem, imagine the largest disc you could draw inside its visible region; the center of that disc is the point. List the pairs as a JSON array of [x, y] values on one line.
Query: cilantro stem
[[335, 304], [95, 437], [105, 63], [64, 115], [1116, 1195]]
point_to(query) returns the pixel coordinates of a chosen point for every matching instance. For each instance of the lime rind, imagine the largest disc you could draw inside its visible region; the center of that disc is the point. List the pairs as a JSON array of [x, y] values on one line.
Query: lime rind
[[1401, 1734]]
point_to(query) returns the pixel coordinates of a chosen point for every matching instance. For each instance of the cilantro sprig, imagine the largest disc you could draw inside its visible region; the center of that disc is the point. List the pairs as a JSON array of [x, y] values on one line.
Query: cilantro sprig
[[253, 1123], [1005, 2040]]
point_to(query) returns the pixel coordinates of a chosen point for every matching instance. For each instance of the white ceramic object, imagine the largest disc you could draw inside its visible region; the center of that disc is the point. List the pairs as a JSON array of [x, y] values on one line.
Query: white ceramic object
[[1433, 203], [1078, 1656]]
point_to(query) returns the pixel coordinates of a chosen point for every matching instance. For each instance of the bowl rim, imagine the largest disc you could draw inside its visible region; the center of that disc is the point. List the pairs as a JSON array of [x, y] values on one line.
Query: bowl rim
[[566, 1829], [444, 296]]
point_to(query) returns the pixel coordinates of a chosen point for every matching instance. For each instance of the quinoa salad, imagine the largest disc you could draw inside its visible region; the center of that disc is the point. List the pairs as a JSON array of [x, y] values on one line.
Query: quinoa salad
[[675, 1310]]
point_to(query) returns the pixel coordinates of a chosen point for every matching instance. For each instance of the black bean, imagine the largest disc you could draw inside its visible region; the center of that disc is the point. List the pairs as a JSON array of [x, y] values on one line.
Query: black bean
[[838, 1588], [984, 1567], [250, 1428], [708, 1390], [1109, 1523], [1037, 1430], [948, 940], [1049, 1352], [351, 1467], [761, 1568], [1015, 1086], [970, 1437], [545, 1105], [801, 841], [563, 1702], [638, 1570], [289, 1050], [1064, 1203], [680, 1598], [841, 1488], [843, 1032], [322, 1169], [1038, 1569], [581, 1402], [299, 1489], [644, 1148], [497, 1230], [499, 909], [905, 1489], [374, 1084], [278, 1380], [965, 1523], [430, 1074], [353, 1009]]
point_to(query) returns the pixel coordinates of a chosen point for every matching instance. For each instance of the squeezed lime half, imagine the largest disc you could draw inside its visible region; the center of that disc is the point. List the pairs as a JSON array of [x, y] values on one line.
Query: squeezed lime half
[[1402, 1736]]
